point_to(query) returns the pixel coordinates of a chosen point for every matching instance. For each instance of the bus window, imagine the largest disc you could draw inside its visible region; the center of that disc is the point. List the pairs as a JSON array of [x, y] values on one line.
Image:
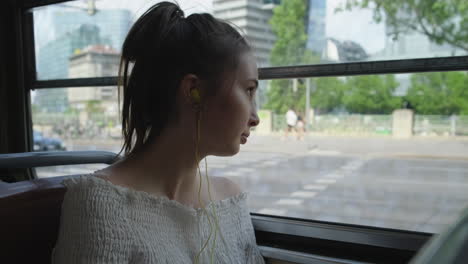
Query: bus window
[[363, 109]]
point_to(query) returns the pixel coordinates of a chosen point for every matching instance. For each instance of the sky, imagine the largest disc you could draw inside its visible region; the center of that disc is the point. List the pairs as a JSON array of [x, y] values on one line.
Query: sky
[[356, 25]]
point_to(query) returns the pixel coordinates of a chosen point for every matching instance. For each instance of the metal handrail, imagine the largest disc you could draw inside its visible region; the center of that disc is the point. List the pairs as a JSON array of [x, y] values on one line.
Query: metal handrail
[[54, 158]]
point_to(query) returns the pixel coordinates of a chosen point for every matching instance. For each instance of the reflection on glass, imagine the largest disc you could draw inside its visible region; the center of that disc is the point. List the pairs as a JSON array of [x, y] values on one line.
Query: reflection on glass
[[379, 150], [84, 118], [69, 33], [281, 32], [66, 170]]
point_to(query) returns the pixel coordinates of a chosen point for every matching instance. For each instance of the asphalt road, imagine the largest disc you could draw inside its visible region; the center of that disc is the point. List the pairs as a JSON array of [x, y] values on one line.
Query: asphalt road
[[417, 184]]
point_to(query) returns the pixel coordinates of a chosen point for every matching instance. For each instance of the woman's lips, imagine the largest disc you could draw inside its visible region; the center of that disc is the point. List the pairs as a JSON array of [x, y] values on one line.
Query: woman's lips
[[243, 139]]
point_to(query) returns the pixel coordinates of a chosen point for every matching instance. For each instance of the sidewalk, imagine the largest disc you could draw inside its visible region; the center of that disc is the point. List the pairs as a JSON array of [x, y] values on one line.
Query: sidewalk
[[417, 147]]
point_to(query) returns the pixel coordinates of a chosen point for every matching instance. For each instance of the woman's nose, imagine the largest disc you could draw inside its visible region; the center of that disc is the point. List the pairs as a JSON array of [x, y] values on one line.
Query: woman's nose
[[254, 120]]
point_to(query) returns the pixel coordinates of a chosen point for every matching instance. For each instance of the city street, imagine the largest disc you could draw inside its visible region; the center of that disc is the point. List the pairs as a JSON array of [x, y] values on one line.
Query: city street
[[418, 184]]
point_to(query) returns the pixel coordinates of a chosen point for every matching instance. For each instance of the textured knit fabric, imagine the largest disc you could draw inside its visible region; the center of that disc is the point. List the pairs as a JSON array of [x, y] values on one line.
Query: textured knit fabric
[[105, 223]]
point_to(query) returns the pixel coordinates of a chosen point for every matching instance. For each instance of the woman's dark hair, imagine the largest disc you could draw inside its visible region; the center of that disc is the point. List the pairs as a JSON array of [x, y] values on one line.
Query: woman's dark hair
[[162, 47]]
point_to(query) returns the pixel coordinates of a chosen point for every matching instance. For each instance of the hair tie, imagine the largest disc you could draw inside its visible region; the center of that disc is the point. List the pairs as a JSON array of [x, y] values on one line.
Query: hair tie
[[179, 13]]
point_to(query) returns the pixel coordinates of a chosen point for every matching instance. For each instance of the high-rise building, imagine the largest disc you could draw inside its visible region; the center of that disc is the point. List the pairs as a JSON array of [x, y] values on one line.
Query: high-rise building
[[252, 18], [53, 63], [54, 56], [76, 30], [100, 60], [342, 51], [113, 24], [315, 25]]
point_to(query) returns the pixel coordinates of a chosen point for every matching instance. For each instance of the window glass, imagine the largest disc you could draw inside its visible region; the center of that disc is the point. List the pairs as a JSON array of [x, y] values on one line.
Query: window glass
[[82, 118], [336, 31], [79, 39], [57, 171], [84, 38], [376, 150]]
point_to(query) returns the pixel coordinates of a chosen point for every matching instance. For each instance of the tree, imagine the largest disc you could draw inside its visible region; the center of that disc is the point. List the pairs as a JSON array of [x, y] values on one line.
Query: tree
[[371, 94], [439, 93], [35, 109], [288, 24], [281, 96], [442, 21], [94, 107], [328, 94]]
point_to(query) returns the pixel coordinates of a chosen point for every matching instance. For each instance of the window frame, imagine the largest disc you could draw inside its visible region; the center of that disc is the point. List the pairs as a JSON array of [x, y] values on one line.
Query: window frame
[[311, 241], [268, 228]]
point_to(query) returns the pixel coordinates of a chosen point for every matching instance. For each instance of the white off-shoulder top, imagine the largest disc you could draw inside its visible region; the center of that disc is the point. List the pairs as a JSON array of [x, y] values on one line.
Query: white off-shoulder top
[[105, 223]]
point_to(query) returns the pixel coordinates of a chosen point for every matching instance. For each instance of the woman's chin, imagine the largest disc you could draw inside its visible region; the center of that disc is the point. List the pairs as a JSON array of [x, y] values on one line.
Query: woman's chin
[[230, 150]]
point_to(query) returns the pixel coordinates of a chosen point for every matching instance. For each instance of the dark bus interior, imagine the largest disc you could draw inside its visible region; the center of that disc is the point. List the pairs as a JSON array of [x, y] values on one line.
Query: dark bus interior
[[30, 205]]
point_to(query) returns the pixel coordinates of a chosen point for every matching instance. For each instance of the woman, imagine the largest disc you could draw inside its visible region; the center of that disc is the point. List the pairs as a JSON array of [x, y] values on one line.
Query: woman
[[189, 94]]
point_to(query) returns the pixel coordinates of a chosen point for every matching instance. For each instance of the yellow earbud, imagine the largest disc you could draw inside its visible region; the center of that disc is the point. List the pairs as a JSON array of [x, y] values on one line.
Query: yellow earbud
[[213, 220], [195, 95]]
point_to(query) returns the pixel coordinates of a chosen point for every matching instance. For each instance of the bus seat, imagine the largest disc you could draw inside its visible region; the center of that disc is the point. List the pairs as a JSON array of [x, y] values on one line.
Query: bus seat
[[30, 210], [30, 217]]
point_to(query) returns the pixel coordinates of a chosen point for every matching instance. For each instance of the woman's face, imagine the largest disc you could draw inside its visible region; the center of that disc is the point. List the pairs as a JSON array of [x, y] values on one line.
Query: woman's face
[[230, 114]]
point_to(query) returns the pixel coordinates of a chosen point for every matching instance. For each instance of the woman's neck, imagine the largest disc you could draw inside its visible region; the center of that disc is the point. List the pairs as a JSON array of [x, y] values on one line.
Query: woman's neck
[[165, 167]]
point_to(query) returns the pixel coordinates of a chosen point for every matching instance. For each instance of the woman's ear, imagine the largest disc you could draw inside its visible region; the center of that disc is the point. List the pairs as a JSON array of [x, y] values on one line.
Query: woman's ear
[[190, 86]]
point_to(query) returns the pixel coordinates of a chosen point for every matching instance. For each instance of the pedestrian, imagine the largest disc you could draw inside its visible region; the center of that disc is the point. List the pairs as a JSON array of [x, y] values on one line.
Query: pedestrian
[[291, 120], [300, 127]]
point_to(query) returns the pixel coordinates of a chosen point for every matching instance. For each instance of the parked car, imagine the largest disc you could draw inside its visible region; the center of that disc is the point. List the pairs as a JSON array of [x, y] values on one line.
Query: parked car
[[42, 143]]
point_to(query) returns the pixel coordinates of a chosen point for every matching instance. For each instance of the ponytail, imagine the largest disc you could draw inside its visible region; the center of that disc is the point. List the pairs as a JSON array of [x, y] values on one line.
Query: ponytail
[[160, 48]]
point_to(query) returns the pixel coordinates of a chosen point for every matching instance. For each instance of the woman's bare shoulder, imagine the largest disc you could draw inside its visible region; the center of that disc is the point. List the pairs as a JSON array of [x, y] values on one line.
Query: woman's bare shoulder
[[225, 187]]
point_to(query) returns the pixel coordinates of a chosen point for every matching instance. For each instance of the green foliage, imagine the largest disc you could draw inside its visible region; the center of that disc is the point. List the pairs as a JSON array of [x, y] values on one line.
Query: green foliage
[[371, 94], [439, 93], [288, 24], [93, 107], [71, 111], [442, 21], [328, 94], [281, 96], [35, 108]]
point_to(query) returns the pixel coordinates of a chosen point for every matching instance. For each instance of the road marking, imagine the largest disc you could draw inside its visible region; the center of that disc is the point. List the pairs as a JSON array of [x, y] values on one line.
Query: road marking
[[289, 201], [270, 162], [245, 170], [315, 187], [326, 181], [302, 194], [334, 175], [351, 168], [232, 173], [271, 211]]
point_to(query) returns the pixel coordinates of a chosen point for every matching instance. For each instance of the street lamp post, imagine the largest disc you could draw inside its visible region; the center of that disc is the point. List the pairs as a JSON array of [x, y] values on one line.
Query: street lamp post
[[307, 115]]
